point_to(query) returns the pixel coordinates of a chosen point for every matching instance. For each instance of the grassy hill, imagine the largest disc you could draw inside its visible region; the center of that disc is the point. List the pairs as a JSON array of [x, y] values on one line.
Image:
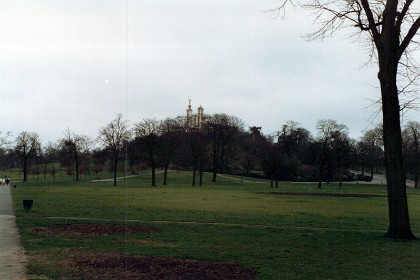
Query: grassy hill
[[294, 232]]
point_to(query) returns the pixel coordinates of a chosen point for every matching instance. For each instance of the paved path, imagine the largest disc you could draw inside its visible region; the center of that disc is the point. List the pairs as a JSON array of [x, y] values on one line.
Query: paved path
[[379, 179], [12, 257]]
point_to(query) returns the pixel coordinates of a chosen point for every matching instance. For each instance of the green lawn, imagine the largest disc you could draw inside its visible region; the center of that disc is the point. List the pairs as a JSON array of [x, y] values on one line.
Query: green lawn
[[283, 236]]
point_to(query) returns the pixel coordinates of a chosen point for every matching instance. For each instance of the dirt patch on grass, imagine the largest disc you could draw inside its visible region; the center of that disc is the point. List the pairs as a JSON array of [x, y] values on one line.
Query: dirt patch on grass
[[95, 265], [88, 230], [147, 242], [81, 264], [324, 194]]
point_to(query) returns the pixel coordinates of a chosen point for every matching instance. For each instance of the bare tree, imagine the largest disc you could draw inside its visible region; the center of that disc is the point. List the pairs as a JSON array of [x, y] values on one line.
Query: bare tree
[[5, 140], [292, 137], [148, 132], [411, 135], [293, 142], [28, 146], [370, 149], [196, 140], [4, 145], [271, 162], [251, 143], [390, 28], [222, 129], [113, 137], [172, 130], [75, 146], [50, 158], [330, 135], [342, 146]]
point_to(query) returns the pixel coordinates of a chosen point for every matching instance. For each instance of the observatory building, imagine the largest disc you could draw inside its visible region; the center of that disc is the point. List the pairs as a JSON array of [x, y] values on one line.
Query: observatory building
[[195, 121]]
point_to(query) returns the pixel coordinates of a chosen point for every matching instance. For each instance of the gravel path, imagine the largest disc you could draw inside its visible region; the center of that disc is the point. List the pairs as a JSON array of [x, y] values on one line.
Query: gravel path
[[12, 256]]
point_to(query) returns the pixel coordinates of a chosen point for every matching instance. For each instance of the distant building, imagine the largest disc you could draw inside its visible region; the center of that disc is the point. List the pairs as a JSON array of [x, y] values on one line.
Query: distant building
[[196, 120]]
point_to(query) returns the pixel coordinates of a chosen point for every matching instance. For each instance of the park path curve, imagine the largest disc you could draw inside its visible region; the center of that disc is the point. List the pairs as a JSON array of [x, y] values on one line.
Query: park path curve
[[12, 256]]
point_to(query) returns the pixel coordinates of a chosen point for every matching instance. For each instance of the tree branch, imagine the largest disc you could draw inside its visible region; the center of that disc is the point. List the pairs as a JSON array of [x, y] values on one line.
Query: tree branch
[[280, 11], [372, 23], [410, 35], [403, 13]]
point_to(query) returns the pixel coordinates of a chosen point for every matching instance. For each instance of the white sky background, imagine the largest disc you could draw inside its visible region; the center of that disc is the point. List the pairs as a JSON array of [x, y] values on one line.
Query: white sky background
[[77, 64]]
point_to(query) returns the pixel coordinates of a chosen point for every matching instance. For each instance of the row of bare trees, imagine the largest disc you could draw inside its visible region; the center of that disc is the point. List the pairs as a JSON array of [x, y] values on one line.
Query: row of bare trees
[[221, 145]]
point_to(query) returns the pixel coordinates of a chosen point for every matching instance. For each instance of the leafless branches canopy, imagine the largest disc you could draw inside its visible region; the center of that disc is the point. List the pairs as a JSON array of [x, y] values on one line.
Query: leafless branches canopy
[[75, 146], [113, 137], [28, 146], [367, 18]]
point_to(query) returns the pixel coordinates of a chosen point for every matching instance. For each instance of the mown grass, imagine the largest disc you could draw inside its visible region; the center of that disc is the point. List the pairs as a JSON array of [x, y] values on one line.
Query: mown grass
[[284, 237]]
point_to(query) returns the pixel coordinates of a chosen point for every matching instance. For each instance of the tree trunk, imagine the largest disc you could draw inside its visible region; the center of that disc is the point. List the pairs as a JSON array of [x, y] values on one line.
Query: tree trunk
[[215, 161], [320, 176], [25, 169], [371, 172], [201, 167], [399, 222], [416, 149], [329, 171], [341, 171], [152, 166], [165, 173], [193, 179], [214, 177], [201, 177], [115, 171], [153, 175], [76, 158], [248, 164], [271, 181]]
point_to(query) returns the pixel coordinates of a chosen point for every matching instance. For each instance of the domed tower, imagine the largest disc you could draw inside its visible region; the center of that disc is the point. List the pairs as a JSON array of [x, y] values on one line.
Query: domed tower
[[200, 114], [189, 115], [200, 111]]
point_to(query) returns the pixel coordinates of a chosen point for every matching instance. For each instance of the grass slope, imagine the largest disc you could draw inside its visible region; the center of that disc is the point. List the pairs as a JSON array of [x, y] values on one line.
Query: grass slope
[[284, 237]]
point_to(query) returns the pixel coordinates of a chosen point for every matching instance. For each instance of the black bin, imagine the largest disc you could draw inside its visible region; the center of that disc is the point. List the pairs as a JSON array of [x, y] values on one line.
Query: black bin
[[27, 204]]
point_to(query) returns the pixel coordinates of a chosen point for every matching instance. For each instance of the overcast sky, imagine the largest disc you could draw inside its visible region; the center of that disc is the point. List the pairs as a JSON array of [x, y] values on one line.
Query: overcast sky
[[76, 64]]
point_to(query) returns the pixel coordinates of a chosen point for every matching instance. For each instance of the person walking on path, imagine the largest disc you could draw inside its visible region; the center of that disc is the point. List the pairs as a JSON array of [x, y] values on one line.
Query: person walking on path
[[12, 256]]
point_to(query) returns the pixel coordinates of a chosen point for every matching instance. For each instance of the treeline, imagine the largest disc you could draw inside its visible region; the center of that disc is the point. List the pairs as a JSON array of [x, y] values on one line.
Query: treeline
[[220, 145]]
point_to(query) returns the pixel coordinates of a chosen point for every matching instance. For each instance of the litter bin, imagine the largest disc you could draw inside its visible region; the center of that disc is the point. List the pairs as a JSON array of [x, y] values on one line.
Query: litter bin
[[27, 204]]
